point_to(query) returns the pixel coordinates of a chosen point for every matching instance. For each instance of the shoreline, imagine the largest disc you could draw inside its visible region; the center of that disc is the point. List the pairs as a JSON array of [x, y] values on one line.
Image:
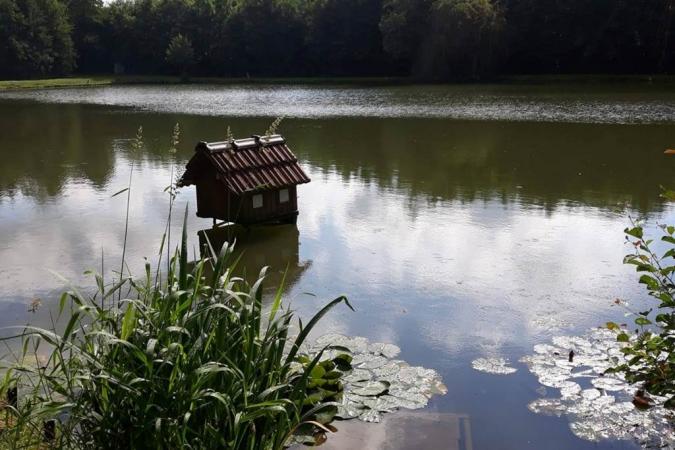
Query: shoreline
[[110, 80]]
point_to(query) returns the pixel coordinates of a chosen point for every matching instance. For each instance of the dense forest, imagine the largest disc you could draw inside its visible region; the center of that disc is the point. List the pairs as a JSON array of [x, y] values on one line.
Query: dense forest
[[426, 39]]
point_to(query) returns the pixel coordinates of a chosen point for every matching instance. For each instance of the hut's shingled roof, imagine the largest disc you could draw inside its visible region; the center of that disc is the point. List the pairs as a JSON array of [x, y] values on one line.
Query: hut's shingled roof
[[252, 164]]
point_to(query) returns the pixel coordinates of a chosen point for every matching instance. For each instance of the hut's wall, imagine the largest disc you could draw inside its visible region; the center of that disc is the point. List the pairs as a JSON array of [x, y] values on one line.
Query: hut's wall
[[272, 208], [214, 200]]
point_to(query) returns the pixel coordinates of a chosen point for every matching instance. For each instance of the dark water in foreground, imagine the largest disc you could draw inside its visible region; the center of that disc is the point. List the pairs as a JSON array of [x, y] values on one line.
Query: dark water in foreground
[[455, 232]]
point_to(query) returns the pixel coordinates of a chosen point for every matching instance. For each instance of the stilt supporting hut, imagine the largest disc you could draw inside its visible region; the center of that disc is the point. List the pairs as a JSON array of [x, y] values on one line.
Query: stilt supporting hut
[[246, 181]]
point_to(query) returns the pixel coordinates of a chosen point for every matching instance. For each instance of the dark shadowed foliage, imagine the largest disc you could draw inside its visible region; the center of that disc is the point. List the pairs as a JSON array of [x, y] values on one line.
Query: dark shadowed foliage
[[429, 39]]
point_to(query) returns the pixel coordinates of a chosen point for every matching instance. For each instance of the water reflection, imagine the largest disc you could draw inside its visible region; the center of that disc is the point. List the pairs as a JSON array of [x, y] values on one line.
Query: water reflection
[[550, 165], [272, 246], [406, 430], [454, 240]]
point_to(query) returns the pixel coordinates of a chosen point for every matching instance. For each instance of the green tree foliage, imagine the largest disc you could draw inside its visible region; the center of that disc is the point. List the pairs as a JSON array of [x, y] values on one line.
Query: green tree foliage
[[629, 36], [443, 38], [465, 35], [180, 54], [86, 18], [264, 37], [36, 39], [404, 27], [344, 38], [433, 39]]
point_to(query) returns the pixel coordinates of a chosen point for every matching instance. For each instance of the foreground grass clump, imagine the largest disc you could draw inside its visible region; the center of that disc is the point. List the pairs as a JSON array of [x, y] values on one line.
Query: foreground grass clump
[[187, 360]]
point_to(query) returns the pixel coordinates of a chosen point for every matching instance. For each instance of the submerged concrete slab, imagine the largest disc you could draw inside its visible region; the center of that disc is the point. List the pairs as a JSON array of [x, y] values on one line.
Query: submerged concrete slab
[[404, 430]]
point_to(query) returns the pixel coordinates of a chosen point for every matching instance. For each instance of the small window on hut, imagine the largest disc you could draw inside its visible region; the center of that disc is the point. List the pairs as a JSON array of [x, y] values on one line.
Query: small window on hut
[[257, 201], [283, 196]]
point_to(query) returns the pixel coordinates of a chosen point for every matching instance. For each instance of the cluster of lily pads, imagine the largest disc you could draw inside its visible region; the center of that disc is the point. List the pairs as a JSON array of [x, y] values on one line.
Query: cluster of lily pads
[[599, 404], [376, 383]]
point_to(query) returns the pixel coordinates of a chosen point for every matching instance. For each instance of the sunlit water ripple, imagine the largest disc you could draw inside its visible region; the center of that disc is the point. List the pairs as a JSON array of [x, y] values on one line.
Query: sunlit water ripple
[[513, 103]]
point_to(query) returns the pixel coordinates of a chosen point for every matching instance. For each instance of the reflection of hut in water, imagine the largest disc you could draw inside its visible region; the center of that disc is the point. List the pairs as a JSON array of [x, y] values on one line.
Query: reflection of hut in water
[[259, 246], [246, 181]]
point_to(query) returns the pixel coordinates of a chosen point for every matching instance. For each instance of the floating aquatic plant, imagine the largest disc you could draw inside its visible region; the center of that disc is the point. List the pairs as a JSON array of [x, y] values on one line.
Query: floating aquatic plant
[[378, 383], [497, 366], [598, 404]]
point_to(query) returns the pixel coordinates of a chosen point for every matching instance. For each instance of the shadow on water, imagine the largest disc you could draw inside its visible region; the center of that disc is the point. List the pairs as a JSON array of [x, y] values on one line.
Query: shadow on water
[[273, 246]]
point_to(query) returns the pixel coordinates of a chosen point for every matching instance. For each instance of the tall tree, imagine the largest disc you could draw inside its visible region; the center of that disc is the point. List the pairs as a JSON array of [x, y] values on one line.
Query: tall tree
[[35, 36], [180, 54]]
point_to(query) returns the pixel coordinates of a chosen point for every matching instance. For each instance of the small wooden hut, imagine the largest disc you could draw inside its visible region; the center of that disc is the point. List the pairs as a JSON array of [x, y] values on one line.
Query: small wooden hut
[[246, 181]]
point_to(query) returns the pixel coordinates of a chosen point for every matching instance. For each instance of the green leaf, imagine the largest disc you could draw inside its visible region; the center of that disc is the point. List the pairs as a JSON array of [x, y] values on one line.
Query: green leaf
[[670, 403], [635, 232], [129, 322], [642, 321], [314, 320], [623, 337], [343, 362], [650, 281], [333, 375], [326, 415], [612, 326], [317, 372], [277, 298], [183, 265]]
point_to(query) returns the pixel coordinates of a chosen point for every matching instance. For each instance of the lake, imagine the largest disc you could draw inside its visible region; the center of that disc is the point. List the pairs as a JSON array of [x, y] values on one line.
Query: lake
[[461, 221]]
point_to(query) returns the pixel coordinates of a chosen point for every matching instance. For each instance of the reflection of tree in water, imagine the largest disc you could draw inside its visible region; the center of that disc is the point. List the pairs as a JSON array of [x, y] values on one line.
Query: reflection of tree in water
[[545, 164], [274, 246], [549, 165], [42, 148]]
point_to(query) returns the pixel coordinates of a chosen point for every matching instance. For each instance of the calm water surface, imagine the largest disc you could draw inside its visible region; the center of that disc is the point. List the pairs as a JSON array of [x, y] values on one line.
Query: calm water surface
[[460, 221]]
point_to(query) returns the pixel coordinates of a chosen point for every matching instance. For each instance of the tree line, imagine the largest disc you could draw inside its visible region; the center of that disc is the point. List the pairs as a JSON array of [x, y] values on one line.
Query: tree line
[[426, 39]]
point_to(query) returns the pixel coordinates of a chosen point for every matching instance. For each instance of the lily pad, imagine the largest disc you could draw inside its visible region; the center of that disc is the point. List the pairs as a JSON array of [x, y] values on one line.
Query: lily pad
[[370, 388], [492, 365], [386, 350], [547, 406], [609, 384]]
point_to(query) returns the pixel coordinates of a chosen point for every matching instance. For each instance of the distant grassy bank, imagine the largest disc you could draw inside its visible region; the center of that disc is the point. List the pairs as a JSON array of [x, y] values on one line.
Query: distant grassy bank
[[107, 80], [150, 79]]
